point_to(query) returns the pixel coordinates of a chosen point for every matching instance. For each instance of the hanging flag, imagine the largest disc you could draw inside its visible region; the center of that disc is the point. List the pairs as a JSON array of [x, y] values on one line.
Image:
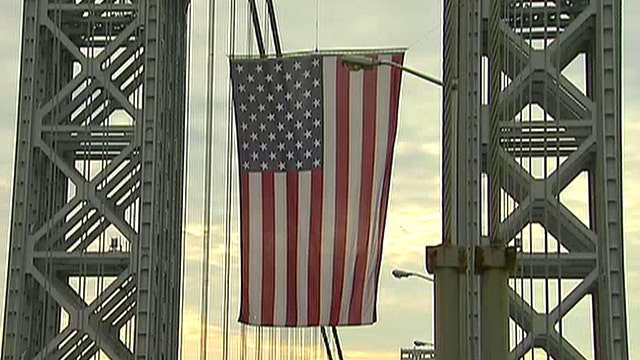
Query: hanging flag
[[315, 146]]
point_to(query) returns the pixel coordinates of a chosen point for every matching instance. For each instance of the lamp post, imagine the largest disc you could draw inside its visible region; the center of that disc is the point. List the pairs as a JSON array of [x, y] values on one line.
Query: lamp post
[[357, 62], [399, 274]]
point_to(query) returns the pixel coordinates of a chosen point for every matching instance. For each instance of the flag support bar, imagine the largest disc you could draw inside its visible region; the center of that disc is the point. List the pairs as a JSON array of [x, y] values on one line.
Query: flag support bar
[[256, 27], [274, 27]]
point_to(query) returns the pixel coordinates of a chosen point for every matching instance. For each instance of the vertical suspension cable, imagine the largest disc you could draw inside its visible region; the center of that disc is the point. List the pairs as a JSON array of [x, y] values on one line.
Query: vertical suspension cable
[[208, 184]]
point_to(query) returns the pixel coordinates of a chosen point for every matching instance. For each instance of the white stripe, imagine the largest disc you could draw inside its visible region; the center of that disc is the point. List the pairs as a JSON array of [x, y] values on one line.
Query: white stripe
[[356, 83], [255, 248], [280, 197], [329, 187], [304, 215], [382, 128]]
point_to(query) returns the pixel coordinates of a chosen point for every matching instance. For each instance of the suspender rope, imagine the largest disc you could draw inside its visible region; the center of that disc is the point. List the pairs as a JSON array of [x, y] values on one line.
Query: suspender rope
[[336, 338], [325, 339]]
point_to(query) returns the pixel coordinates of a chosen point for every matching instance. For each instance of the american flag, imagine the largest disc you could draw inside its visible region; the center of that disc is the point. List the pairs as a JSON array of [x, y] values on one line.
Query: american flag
[[315, 145]]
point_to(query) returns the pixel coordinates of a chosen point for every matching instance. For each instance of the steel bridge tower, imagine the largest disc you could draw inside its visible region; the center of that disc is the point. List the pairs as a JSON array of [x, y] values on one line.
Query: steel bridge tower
[[532, 105], [96, 229]]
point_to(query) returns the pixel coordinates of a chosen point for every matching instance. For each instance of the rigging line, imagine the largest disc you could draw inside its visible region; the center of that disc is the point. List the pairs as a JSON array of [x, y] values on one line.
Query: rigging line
[[185, 180], [336, 338], [208, 184], [317, 24], [256, 27], [325, 339], [274, 28]]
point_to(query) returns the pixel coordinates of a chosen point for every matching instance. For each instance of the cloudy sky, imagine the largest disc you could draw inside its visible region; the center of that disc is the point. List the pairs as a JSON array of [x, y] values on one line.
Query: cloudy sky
[[414, 221]]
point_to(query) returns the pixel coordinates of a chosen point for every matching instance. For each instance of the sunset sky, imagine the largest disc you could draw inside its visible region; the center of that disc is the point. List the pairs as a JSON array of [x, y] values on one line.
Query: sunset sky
[[405, 306]]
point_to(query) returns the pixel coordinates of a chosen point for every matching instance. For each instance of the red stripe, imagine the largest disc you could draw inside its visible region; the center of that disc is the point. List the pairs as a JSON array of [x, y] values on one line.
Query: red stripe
[[369, 109], [315, 248], [268, 248], [396, 77], [292, 248], [342, 186], [244, 246]]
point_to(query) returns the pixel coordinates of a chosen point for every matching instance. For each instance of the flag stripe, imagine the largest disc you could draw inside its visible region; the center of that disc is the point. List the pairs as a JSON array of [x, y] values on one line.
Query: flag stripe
[[292, 248], [244, 246], [255, 249], [268, 248], [280, 197], [382, 129], [329, 186], [315, 247], [342, 182], [367, 159], [396, 75]]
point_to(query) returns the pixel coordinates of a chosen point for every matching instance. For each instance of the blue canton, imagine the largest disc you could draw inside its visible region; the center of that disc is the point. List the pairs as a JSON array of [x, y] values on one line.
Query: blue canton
[[279, 108]]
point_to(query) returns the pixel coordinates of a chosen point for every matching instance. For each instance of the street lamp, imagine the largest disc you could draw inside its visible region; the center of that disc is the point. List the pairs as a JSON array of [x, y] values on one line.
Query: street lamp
[[420, 343], [399, 274], [357, 62]]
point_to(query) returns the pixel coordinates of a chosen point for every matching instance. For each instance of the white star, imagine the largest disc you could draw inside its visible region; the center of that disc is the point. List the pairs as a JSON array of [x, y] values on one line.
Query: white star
[[316, 162], [271, 117], [259, 68], [289, 116], [307, 154], [263, 147], [260, 88], [287, 76], [297, 65], [288, 96], [316, 82], [239, 68], [241, 87], [243, 107], [254, 156], [269, 78], [245, 146], [298, 144], [252, 98], [244, 126], [253, 117], [281, 166], [272, 155], [316, 62], [264, 166], [298, 85], [316, 102], [261, 107], [278, 67], [307, 134], [307, 94], [307, 114], [272, 136], [281, 146], [280, 107], [250, 78], [254, 136], [290, 155], [279, 87], [307, 74], [299, 164], [280, 127], [298, 125], [298, 105], [270, 97], [316, 122], [245, 164], [263, 127], [289, 135], [316, 142]]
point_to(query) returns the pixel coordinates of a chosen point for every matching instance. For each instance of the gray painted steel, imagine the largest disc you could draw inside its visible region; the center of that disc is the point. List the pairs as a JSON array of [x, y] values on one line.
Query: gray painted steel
[[99, 155]]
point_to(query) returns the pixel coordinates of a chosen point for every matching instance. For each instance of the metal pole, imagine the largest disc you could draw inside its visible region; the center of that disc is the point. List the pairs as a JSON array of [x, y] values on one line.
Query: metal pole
[[447, 316], [336, 338], [325, 339], [274, 27]]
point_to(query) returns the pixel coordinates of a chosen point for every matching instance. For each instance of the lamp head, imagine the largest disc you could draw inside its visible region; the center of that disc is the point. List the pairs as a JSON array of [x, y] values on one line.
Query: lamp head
[[358, 62], [398, 274]]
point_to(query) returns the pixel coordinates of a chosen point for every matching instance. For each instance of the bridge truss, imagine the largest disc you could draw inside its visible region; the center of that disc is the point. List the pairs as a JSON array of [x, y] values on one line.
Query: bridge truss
[[555, 124], [95, 242]]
